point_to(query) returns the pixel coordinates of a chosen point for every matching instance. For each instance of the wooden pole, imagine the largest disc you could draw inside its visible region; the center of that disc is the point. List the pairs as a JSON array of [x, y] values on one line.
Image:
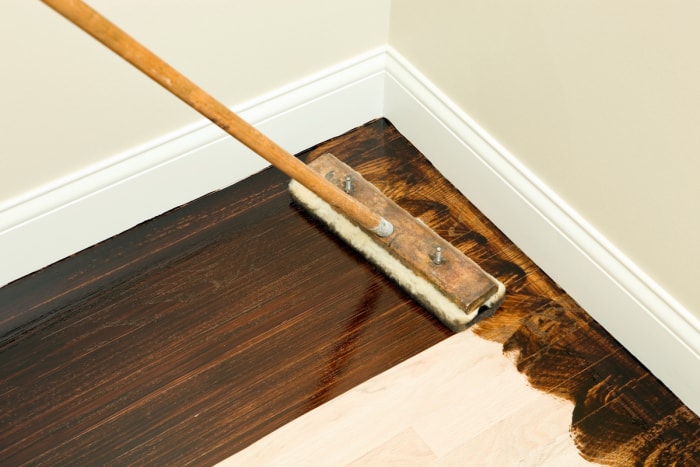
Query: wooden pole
[[139, 56]]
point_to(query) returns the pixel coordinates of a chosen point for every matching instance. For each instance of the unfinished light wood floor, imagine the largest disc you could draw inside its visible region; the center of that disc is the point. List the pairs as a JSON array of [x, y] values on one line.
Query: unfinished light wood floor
[[460, 402], [236, 326]]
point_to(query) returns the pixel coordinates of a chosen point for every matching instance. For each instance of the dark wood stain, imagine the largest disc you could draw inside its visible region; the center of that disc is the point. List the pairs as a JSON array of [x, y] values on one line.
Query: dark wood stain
[[192, 335]]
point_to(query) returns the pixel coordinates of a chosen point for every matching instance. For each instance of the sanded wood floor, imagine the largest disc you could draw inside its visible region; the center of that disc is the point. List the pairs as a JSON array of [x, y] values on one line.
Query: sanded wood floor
[[196, 335], [460, 402]]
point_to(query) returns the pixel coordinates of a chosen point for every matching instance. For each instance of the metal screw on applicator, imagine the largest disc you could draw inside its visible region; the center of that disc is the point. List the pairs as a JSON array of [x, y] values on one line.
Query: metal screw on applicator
[[437, 256], [347, 188]]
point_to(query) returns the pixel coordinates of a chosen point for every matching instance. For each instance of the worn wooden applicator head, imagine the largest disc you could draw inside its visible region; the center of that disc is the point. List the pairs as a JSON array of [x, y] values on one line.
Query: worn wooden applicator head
[[430, 269]]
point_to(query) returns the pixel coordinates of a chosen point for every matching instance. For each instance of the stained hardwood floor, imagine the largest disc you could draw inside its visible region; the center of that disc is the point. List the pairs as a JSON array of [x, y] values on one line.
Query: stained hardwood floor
[[206, 331]]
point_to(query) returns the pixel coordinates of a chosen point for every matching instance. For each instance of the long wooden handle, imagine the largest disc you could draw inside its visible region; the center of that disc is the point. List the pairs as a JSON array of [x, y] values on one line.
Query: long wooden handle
[[132, 51]]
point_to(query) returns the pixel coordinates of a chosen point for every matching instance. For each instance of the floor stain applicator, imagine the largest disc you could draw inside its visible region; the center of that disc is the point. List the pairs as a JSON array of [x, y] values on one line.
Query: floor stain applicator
[[435, 273]]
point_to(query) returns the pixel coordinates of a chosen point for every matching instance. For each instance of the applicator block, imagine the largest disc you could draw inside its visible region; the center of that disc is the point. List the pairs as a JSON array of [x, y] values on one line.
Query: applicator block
[[456, 290]]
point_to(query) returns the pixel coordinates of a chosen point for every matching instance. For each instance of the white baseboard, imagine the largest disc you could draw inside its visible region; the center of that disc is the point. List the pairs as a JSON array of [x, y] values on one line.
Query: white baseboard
[[659, 331], [57, 221]]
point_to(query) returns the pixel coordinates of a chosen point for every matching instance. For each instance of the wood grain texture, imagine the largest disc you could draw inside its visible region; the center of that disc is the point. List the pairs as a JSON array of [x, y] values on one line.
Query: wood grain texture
[[191, 336], [195, 334], [460, 402]]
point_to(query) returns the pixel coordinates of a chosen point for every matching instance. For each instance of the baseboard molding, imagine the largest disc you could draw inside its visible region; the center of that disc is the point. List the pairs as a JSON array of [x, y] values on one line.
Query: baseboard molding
[[105, 200], [659, 331]]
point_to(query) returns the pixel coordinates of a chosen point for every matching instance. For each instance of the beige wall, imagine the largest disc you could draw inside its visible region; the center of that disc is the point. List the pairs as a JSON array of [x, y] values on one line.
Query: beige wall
[[69, 103], [600, 99]]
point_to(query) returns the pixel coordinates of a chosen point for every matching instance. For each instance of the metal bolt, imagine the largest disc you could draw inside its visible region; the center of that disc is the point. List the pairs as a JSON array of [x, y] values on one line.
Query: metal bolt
[[348, 184], [437, 257]]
